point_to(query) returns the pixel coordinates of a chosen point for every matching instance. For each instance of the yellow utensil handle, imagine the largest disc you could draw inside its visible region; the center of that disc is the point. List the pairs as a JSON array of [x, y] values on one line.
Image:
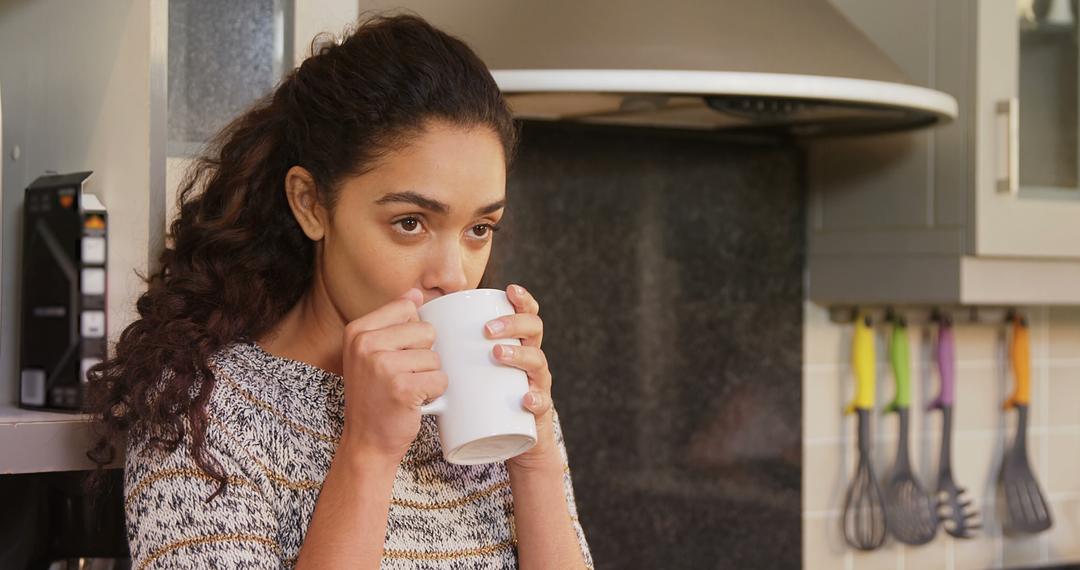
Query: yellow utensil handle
[[1020, 355], [863, 358]]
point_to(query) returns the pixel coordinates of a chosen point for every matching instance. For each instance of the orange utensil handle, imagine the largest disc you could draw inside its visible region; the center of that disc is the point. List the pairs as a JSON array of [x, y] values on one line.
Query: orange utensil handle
[[1020, 354]]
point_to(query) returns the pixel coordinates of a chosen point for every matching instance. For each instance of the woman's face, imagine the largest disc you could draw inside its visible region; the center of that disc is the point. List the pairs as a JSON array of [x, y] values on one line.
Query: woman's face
[[421, 218]]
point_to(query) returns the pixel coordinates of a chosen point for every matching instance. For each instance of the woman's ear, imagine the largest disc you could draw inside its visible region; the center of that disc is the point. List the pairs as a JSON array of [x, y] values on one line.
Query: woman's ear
[[303, 196]]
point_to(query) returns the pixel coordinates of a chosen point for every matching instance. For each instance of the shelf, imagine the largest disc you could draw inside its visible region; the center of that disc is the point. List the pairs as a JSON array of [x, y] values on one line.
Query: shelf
[[11, 415], [1047, 29], [34, 441], [900, 278]]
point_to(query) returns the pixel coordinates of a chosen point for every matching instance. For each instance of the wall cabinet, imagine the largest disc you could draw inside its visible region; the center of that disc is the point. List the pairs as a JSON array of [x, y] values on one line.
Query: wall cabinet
[[985, 210], [1027, 192]]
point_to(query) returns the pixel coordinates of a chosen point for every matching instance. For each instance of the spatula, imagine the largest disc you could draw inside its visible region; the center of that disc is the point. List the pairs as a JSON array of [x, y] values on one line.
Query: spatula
[[912, 511], [1026, 509]]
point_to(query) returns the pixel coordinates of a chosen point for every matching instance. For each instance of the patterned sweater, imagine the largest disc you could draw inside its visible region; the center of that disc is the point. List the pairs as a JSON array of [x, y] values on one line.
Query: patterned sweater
[[273, 425]]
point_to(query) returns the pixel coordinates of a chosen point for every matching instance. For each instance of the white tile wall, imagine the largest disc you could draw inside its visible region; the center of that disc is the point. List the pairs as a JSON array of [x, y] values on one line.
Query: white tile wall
[[980, 428]]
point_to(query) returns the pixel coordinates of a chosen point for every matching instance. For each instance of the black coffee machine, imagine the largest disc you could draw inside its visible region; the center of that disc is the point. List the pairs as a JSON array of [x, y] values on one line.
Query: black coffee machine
[[63, 329]]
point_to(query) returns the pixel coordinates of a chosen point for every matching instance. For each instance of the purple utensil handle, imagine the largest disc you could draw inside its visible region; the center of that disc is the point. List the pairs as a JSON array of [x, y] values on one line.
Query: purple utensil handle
[[946, 357]]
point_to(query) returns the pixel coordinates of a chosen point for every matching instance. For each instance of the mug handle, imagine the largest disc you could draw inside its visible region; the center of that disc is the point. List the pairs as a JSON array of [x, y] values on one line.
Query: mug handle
[[436, 407]]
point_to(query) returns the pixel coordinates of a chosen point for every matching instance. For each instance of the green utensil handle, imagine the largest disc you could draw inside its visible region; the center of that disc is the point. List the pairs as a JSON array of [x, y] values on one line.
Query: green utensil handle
[[899, 356]]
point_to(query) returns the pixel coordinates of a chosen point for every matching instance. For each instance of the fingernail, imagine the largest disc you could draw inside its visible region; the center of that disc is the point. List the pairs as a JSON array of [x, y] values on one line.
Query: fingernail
[[518, 290], [534, 399], [506, 351], [496, 327]]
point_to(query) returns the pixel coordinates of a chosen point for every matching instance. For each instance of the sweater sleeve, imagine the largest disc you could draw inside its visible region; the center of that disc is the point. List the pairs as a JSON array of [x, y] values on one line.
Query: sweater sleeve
[[170, 523], [568, 486]]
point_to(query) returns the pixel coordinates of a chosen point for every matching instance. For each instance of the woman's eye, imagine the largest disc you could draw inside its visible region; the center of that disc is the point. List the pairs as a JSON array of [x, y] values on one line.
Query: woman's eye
[[411, 224], [485, 231], [408, 224]]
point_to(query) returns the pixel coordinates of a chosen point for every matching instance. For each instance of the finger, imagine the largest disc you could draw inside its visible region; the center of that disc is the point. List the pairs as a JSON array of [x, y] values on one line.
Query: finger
[[520, 325], [537, 402], [418, 334], [421, 388], [400, 310], [528, 358], [522, 300], [391, 363]]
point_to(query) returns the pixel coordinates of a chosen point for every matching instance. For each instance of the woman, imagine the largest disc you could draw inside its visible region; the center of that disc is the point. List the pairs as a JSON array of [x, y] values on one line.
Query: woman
[[271, 389]]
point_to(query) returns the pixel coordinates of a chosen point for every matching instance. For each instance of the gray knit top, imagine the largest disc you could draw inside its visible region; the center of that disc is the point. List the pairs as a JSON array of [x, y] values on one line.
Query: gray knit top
[[274, 424]]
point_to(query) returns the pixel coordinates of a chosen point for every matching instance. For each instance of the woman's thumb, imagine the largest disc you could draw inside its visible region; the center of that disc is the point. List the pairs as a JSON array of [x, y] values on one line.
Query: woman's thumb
[[415, 296]]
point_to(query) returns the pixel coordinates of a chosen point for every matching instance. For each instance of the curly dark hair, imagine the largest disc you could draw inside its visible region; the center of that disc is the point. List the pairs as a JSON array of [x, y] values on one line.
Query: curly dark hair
[[236, 260]]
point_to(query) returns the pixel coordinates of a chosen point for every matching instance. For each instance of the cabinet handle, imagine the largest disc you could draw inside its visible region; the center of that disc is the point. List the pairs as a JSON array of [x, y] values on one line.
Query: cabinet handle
[[1010, 110]]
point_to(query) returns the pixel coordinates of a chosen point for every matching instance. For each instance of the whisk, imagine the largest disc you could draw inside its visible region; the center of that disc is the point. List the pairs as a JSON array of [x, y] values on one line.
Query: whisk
[[864, 506]]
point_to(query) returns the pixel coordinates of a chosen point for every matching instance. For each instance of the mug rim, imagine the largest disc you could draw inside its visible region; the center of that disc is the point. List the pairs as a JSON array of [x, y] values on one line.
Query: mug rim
[[480, 292]]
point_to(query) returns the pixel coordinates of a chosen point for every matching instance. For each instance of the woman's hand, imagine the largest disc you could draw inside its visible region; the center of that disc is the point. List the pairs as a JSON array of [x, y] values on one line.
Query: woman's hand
[[390, 371], [526, 325]]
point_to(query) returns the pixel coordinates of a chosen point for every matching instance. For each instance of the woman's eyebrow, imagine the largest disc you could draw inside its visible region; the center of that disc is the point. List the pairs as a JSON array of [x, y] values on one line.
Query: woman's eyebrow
[[411, 197]]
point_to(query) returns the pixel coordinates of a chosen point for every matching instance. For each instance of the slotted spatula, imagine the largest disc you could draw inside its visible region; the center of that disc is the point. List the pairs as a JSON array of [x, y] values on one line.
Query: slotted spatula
[[1026, 509], [912, 511]]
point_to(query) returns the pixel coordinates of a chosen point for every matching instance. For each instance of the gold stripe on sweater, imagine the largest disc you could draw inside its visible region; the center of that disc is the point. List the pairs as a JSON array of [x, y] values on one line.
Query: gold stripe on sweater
[[452, 503], [408, 461], [458, 502], [171, 547], [449, 554], [306, 484], [178, 474], [270, 473], [310, 483], [266, 406]]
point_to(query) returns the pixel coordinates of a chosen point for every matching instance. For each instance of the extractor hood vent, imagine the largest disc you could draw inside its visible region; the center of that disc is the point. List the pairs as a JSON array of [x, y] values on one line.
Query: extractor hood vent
[[794, 67]]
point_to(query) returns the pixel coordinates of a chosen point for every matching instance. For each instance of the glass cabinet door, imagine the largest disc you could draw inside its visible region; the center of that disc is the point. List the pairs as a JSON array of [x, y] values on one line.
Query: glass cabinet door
[[1049, 156], [1026, 126]]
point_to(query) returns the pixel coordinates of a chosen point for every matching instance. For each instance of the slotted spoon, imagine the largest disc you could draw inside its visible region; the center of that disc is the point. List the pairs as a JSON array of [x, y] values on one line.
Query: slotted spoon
[[912, 511]]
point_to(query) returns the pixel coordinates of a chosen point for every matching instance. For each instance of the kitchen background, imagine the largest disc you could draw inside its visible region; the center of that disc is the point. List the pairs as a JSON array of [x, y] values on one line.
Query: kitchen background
[[689, 275], [983, 383]]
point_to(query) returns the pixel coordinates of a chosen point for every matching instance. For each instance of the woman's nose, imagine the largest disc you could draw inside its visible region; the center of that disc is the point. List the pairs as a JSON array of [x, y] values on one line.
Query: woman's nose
[[449, 272]]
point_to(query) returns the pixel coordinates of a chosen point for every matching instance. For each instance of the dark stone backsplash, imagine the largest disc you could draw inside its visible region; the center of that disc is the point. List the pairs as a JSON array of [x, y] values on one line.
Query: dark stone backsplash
[[669, 270]]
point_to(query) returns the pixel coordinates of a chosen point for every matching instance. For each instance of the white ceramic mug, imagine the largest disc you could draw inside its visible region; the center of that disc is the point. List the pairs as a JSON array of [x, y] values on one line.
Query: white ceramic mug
[[480, 416]]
